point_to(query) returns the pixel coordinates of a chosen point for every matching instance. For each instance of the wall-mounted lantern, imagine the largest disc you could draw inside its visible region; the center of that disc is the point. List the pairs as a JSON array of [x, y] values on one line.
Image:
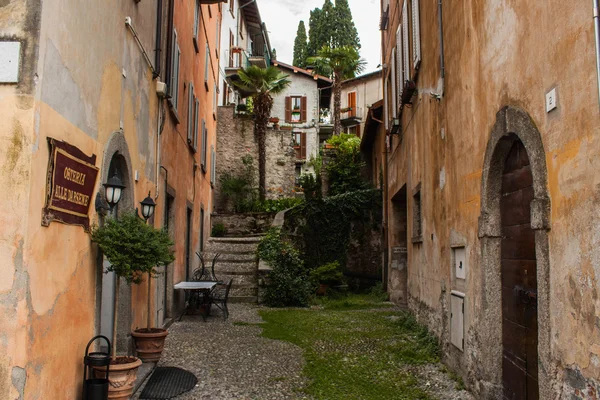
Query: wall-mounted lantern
[[148, 206], [113, 190]]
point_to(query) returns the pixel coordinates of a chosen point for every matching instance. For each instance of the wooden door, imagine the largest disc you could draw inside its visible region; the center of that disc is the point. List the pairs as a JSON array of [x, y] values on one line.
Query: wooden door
[[519, 280]]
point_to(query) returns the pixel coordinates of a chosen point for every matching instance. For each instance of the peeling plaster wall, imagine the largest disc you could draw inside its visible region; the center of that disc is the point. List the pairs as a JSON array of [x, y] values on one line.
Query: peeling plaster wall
[[501, 54], [72, 88]]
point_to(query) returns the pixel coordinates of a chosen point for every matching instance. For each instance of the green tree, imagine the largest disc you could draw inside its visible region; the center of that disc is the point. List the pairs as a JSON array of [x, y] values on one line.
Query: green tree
[[345, 31], [321, 28], [300, 46], [340, 63], [262, 83]]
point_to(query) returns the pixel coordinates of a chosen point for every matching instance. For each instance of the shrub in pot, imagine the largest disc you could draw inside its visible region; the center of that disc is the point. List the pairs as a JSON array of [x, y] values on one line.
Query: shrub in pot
[[327, 275], [133, 249]]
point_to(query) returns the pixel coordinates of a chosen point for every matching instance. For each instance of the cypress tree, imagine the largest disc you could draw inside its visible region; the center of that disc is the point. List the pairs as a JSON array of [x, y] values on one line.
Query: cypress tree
[[321, 28], [345, 33], [300, 46], [313, 31]]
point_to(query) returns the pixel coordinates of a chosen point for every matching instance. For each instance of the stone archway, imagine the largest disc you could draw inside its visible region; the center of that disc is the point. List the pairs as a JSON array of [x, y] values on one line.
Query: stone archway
[[512, 125], [116, 158]]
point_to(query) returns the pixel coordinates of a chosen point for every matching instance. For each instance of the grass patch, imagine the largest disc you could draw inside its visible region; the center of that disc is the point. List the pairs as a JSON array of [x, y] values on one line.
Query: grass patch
[[352, 352]]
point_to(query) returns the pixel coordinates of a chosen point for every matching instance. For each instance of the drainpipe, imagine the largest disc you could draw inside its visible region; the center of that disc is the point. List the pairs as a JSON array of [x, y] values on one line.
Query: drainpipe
[[597, 36], [440, 93], [157, 49]]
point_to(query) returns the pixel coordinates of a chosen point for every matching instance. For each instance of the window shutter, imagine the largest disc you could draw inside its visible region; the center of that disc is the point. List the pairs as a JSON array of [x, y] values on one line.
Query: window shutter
[[394, 77], [215, 100], [405, 44], [173, 53], [197, 113], [288, 109], [352, 103], [191, 105], [212, 165], [399, 78], [196, 19], [203, 148], [218, 45], [206, 61], [303, 145], [416, 32], [358, 130], [303, 109]]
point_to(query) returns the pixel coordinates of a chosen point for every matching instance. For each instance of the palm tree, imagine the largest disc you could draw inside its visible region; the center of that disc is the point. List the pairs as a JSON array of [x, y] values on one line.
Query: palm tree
[[262, 83], [340, 63]]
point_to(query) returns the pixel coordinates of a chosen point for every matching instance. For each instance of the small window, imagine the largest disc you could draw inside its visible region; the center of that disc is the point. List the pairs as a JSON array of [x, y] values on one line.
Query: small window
[[295, 109], [417, 212], [299, 139]]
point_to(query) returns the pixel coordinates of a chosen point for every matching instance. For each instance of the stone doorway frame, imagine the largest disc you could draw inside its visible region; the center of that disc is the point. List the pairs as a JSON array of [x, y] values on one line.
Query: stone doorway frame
[[117, 146], [512, 124]]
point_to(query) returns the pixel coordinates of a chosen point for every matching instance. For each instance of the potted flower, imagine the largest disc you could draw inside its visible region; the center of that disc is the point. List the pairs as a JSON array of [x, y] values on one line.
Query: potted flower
[[327, 275], [133, 249]]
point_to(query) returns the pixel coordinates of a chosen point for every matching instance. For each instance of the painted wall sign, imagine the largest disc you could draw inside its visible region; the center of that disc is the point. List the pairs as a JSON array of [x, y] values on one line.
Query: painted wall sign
[[70, 185]]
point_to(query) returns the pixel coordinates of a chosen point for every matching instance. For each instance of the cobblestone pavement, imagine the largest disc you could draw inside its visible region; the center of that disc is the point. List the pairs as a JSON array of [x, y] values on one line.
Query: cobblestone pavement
[[231, 359]]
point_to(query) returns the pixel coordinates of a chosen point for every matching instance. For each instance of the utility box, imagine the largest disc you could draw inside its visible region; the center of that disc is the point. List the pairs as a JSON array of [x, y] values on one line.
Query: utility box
[[460, 262], [457, 319]]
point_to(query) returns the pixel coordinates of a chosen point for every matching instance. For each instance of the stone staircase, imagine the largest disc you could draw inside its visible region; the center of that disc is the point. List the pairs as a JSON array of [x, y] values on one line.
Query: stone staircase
[[238, 262]]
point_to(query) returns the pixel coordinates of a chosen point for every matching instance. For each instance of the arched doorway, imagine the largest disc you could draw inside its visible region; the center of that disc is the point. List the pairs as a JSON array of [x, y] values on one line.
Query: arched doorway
[[519, 278], [116, 161], [513, 328]]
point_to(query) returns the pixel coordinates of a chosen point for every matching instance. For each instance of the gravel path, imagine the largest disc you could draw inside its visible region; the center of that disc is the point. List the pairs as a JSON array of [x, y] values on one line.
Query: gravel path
[[231, 360]]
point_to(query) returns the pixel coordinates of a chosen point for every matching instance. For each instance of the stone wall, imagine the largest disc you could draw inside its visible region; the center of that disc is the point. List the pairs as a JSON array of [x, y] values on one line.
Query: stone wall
[[244, 224], [236, 139]]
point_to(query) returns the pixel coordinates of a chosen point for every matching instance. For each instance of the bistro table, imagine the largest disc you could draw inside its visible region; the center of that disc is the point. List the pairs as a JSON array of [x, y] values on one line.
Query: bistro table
[[202, 289]]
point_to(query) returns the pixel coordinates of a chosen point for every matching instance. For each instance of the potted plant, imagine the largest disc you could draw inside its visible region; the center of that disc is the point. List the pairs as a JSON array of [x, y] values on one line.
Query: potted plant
[[327, 275], [133, 249]]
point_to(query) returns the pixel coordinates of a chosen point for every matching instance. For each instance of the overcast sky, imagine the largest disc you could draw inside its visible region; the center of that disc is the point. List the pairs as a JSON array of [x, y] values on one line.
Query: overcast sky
[[282, 18]]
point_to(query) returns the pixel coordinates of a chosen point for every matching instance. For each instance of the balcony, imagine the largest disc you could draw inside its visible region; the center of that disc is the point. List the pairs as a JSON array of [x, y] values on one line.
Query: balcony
[[262, 61], [351, 115]]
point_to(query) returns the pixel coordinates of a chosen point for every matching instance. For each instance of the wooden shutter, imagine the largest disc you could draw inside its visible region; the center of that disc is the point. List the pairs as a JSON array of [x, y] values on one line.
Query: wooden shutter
[[352, 104], [206, 65], [405, 44], [197, 113], [203, 147], [173, 56], [288, 109], [358, 130], [393, 75], [191, 106], [303, 109], [303, 145], [399, 78], [416, 34], [213, 165]]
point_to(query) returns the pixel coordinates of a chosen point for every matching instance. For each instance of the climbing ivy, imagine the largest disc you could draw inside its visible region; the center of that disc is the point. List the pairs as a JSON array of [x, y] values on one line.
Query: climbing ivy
[[323, 226]]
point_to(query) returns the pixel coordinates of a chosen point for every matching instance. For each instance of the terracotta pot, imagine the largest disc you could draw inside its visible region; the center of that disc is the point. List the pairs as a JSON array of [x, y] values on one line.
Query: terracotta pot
[[121, 377], [322, 290], [149, 343]]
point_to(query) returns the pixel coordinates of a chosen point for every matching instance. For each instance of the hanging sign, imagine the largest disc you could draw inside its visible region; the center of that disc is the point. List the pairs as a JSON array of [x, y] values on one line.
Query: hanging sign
[[70, 185]]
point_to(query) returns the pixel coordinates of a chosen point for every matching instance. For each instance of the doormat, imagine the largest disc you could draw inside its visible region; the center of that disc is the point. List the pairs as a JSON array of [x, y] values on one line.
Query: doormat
[[168, 382]]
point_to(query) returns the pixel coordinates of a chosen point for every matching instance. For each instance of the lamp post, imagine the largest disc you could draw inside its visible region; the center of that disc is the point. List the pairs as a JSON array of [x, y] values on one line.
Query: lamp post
[[148, 206], [113, 189]]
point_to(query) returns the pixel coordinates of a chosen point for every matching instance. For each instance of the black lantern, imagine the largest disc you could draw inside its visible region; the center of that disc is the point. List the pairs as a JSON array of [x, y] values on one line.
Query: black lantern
[[148, 206], [113, 190]]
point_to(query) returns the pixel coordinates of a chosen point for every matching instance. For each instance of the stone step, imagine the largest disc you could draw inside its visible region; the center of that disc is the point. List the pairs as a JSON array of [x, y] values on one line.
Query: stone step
[[243, 291], [236, 239], [243, 299], [236, 268], [239, 281], [246, 257], [226, 247]]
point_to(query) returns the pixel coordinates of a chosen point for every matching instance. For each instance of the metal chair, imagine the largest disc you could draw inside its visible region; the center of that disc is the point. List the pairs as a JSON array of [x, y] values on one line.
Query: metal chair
[[219, 297], [202, 273]]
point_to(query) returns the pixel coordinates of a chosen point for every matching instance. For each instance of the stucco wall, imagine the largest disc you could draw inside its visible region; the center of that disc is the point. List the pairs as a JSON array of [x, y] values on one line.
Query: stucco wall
[[501, 54], [368, 91]]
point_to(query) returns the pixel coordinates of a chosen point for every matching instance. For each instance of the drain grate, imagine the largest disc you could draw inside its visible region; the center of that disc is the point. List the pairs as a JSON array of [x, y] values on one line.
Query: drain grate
[[168, 382]]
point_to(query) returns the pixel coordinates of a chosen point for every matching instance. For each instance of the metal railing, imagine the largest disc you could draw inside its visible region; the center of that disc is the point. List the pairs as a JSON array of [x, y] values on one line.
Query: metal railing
[[352, 112]]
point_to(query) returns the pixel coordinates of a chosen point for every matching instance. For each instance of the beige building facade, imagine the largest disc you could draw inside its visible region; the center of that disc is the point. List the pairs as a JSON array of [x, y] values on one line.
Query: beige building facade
[[358, 95], [492, 115]]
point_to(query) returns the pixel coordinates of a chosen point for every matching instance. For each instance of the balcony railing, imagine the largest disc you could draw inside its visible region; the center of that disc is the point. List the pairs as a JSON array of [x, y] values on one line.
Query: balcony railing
[[352, 113], [238, 58]]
